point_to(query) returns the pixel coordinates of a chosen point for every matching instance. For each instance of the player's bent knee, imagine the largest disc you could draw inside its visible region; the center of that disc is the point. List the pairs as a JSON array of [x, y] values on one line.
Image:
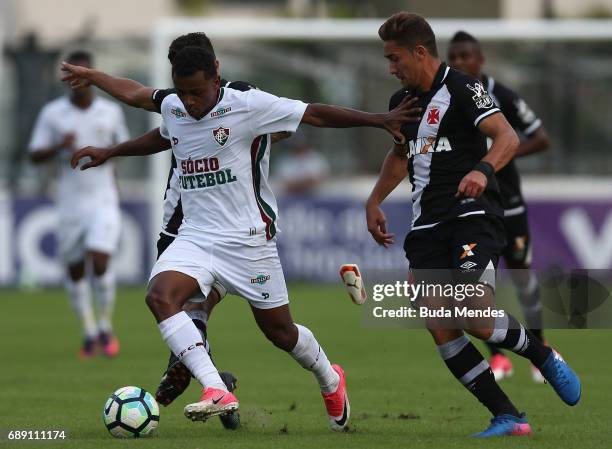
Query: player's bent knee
[[481, 334], [99, 262], [442, 336], [157, 300]]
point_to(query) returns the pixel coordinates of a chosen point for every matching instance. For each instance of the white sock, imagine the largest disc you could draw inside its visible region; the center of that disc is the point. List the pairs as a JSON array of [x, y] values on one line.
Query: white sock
[[202, 316], [183, 337], [80, 299], [310, 355], [104, 292]]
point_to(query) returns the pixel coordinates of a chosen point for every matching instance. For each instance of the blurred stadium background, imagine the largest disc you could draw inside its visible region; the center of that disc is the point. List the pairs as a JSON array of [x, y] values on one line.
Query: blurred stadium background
[[556, 53]]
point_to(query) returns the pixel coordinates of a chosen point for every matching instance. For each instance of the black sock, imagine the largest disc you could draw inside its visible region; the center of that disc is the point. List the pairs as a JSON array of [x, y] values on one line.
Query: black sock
[[494, 350], [470, 368], [537, 334], [510, 334]]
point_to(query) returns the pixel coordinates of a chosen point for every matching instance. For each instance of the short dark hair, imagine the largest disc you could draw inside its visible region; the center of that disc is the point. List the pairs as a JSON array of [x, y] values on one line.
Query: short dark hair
[[190, 60], [463, 36], [409, 30], [79, 56], [189, 40]]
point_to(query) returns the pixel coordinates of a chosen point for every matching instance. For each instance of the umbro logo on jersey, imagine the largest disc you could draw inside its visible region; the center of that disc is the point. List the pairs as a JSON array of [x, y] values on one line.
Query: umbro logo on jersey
[[178, 113], [221, 135], [481, 97], [468, 265], [467, 250], [220, 111], [433, 116]]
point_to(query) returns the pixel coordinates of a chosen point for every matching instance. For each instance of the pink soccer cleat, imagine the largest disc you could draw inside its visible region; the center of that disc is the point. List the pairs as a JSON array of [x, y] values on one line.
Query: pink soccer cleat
[[88, 349], [109, 344], [501, 366], [337, 404], [214, 402]]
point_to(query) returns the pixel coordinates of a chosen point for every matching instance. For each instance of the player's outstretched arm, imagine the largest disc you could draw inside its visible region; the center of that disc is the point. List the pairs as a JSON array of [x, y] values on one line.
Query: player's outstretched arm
[[328, 116], [393, 171], [149, 143], [125, 90], [503, 149], [534, 143]]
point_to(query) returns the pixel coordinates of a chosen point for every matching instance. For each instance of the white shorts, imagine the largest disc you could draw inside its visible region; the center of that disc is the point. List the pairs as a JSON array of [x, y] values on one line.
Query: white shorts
[[252, 272], [97, 231]]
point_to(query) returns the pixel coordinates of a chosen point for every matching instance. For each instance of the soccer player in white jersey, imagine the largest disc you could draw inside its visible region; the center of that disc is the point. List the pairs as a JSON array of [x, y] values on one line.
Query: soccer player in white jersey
[[176, 377], [87, 204], [217, 136]]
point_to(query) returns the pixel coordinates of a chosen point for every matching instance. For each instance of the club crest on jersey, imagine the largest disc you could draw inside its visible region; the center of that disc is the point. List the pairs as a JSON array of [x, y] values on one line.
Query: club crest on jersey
[[221, 135], [178, 113], [433, 116], [480, 97]]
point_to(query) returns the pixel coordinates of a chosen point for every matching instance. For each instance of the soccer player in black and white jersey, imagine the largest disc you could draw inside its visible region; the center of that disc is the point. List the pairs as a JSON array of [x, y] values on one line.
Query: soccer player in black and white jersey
[[457, 220], [465, 54], [176, 377]]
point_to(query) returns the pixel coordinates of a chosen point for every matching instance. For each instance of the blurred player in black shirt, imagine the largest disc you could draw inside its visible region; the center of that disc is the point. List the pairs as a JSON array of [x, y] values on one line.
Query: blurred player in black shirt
[[465, 54], [457, 218]]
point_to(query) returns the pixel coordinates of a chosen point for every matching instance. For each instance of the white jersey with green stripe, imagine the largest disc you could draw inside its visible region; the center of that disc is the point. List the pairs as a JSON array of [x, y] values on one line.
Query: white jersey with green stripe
[[223, 162]]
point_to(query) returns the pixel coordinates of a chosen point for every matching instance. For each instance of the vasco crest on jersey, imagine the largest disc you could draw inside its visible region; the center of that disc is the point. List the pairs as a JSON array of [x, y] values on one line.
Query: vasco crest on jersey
[[480, 97], [221, 135]]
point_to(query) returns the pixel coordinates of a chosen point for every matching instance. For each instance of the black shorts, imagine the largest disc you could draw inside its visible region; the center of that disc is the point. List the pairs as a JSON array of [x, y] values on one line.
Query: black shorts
[[163, 243], [464, 247], [517, 252]]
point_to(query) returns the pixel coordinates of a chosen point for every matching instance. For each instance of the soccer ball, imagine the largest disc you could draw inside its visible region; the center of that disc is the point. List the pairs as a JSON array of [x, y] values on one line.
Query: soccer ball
[[131, 412]]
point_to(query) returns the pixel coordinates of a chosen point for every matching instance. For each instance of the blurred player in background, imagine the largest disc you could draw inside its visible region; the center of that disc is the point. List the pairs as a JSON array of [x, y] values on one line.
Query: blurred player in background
[[87, 204], [303, 168], [465, 54], [456, 216]]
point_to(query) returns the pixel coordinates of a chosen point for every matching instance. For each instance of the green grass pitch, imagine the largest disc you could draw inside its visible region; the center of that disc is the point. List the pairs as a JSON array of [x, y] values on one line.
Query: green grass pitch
[[401, 393]]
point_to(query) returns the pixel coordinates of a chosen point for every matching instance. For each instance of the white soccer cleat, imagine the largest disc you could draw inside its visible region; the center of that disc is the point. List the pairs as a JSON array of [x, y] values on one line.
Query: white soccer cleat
[[352, 280]]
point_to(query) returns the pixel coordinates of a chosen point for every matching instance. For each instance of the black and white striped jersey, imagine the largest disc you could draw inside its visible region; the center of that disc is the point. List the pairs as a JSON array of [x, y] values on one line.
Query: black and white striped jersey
[[522, 119], [446, 145], [173, 209]]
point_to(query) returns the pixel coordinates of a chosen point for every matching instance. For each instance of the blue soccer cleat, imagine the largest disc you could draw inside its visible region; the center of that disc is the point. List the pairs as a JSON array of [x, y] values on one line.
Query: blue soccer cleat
[[562, 378], [506, 426]]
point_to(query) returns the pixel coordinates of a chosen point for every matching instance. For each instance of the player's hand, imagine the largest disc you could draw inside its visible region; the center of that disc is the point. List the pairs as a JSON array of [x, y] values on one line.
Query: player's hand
[[405, 112], [98, 156], [472, 185], [377, 225], [75, 75]]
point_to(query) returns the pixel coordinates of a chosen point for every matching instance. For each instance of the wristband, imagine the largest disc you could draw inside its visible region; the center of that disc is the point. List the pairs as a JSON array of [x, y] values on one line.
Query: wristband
[[485, 168]]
